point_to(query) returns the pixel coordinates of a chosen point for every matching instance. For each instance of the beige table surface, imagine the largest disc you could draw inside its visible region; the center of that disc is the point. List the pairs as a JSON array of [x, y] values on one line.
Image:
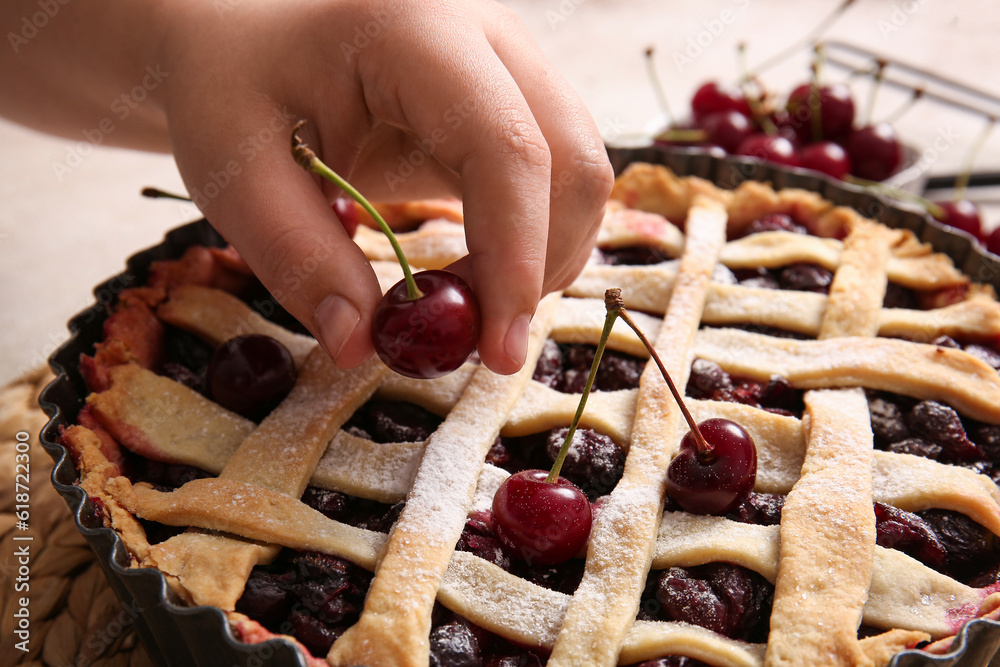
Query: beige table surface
[[62, 233]]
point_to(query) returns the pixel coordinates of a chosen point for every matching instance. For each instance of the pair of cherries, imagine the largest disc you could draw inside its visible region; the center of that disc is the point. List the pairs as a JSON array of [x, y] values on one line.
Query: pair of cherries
[[542, 518], [815, 130]]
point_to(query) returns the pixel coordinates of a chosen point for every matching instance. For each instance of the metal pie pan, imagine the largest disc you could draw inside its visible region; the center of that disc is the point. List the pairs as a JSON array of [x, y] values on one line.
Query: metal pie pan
[[180, 635]]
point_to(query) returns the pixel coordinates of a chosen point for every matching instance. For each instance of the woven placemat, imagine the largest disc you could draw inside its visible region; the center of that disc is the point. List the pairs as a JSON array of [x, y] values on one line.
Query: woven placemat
[[74, 618]]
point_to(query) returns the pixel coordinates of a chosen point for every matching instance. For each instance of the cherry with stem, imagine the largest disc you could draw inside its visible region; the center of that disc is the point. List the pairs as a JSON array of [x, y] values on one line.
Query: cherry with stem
[[427, 324], [541, 517], [716, 466]]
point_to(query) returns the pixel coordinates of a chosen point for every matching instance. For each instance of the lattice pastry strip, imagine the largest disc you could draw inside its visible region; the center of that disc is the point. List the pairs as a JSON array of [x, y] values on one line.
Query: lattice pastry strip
[[385, 471], [799, 312], [606, 601], [396, 620], [279, 455]]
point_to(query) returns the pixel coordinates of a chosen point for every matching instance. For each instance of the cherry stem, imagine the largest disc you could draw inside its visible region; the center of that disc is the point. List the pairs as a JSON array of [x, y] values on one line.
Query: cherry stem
[[962, 182], [654, 79], [682, 134], [886, 190], [905, 106], [307, 159], [816, 117], [156, 193], [758, 111], [880, 66], [609, 322], [613, 301], [808, 39]]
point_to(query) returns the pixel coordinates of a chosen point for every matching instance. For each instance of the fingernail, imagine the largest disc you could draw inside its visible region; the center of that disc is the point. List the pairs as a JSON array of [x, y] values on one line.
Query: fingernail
[[336, 319], [516, 342]]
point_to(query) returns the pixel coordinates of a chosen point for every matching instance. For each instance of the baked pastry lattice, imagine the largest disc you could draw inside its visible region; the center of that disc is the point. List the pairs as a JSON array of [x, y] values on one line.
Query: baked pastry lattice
[[840, 345]]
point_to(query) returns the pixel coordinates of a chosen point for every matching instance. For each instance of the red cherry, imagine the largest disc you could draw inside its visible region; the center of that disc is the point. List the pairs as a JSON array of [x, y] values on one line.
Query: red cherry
[[784, 124], [993, 242], [717, 481], [875, 151], [962, 214], [250, 375], [430, 336], [827, 157], [347, 212], [714, 97], [834, 104], [541, 522], [771, 148], [727, 129]]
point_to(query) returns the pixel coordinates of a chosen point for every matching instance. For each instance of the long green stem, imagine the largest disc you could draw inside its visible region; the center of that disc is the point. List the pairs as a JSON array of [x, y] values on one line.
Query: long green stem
[[885, 190], [654, 80], [609, 322], [704, 448], [308, 160], [962, 182]]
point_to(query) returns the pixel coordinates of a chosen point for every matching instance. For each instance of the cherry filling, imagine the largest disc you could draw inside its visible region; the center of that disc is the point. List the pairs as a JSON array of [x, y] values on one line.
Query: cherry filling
[[897, 296], [710, 381], [673, 661], [800, 277], [594, 462], [633, 256], [384, 422], [312, 596], [725, 598], [187, 358], [565, 367]]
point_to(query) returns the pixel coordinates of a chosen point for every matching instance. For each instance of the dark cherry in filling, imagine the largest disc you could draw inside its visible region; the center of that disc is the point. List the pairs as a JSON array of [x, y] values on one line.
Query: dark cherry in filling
[[797, 277], [710, 381], [312, 596], [722, 597], [774, 222], [633, 256], [672, 661], [392, 421], [565, 367]]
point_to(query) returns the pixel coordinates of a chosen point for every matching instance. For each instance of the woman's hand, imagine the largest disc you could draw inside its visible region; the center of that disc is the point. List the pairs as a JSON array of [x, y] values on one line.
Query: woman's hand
[[405, 99]]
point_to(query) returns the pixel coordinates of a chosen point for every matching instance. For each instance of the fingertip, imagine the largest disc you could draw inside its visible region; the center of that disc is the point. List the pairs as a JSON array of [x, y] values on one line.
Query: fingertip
[[504, 348], [516, 341], [341, 331]]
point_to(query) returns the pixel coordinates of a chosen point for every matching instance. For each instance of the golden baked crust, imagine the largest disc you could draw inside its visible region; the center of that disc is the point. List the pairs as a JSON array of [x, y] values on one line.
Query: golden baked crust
[[824, 461]]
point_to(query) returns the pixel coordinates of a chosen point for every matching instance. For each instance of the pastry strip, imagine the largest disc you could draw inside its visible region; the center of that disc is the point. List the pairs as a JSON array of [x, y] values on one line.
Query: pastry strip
[[396, 621], [541, 408], [800, 312], [279, 455], [927, 372], [827, 523], [622, 542], [827, 538], [217, 316], [145, 411]]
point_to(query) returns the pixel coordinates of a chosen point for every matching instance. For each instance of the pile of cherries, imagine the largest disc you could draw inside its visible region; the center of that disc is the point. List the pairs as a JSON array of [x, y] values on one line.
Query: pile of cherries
[[814, 129], [965, 215]]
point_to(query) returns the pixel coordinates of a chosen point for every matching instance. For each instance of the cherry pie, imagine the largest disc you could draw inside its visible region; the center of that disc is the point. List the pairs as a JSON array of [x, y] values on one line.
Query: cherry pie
[[355, 518]]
